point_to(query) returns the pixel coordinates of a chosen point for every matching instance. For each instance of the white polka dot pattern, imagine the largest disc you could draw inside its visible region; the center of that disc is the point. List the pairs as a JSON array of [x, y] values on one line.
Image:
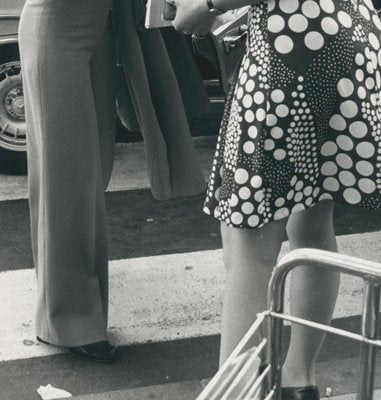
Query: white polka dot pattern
[[302, 124]]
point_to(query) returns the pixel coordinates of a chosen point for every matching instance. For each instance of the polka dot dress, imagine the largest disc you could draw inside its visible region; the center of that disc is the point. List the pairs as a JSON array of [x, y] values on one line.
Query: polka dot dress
[[303, 122]]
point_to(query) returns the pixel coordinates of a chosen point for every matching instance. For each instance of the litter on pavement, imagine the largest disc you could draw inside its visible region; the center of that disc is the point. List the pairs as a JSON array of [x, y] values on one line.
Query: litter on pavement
[[49, 392]]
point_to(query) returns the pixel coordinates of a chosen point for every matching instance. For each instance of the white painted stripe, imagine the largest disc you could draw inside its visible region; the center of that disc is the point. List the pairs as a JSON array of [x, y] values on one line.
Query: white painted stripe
[[13, 187], [129, 173], [353, 396], [156, 298], [169, 391], [179, 391]]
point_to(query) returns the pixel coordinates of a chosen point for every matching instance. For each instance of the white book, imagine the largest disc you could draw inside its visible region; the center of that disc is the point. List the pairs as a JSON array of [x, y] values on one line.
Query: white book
[[154, 15]]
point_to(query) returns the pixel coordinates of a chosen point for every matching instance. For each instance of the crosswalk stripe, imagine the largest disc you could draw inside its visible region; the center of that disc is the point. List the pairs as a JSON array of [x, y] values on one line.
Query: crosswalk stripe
[[170, 391], [129, 172], [156, 299], [152, 299]]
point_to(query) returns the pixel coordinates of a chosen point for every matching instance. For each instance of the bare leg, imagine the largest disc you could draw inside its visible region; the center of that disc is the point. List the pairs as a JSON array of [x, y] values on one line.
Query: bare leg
[[313, 293], [249, 257]]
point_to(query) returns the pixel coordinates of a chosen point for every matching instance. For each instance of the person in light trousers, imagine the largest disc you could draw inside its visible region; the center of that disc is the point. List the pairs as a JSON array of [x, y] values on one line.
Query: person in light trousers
[[68, 63], [68, 60]]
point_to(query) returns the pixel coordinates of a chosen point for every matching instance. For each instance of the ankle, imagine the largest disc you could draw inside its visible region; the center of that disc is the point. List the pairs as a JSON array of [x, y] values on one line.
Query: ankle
[[298, 377]]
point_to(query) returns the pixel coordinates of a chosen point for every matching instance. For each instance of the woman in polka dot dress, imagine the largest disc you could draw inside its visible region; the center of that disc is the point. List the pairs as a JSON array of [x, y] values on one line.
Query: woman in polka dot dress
[[302, 128]]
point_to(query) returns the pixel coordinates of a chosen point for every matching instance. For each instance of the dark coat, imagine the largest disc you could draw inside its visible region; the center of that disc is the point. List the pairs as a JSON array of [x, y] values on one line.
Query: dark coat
[[162, 80]]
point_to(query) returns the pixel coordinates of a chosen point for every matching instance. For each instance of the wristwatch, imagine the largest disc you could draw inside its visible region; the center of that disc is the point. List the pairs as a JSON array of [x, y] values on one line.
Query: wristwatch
[[213, 9]]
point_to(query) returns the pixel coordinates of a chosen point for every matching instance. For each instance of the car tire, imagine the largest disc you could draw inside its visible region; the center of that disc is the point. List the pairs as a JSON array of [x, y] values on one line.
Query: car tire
[[13, 163], [12, 118]]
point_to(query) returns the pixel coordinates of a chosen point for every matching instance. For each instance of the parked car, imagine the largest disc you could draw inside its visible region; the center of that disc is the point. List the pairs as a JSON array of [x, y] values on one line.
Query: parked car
[[216, 57], [12, 116]]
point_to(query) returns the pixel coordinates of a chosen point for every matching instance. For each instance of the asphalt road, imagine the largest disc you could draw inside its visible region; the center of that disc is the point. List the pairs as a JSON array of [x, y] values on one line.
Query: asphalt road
[[167, 280]]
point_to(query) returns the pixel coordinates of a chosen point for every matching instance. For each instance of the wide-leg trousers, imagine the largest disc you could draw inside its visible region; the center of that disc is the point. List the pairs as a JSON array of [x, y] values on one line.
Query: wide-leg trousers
[[68, 61]]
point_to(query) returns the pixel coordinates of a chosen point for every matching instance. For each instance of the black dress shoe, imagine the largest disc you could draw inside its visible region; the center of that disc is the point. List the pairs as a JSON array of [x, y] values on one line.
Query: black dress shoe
[[300, 393], [42, 341], [100, 352]]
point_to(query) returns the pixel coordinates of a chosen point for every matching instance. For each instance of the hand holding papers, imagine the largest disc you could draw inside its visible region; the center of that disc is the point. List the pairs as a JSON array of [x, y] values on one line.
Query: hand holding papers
[[160, 13]]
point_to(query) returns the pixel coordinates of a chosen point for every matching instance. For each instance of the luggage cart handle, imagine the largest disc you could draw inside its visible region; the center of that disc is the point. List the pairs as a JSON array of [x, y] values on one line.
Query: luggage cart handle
[[369, 271], [318, 258]]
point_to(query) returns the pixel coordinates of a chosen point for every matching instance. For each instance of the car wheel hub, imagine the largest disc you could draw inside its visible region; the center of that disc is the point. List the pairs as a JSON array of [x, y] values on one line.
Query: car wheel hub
[[12, 109], [14, 103]]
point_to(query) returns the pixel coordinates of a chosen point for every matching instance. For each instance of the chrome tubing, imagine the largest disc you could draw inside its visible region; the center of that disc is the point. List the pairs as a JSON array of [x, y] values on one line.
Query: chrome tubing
[[371, 309], [369, 271], [326, 328]]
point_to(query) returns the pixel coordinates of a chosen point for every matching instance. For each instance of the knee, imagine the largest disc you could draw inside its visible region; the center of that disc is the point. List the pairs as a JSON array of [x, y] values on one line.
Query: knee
[[246, 249], [313, 226]]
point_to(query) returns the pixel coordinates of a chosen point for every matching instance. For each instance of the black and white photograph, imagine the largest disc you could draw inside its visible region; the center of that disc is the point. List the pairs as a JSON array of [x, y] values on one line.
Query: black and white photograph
[[190, 199]]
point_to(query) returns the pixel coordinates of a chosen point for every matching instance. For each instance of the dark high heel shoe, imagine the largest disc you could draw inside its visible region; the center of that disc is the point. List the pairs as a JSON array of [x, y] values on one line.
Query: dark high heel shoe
[[300, 393], [100, 352]]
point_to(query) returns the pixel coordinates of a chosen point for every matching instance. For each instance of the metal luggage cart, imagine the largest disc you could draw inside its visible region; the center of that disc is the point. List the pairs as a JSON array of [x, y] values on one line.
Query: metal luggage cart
[[244, 376]]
